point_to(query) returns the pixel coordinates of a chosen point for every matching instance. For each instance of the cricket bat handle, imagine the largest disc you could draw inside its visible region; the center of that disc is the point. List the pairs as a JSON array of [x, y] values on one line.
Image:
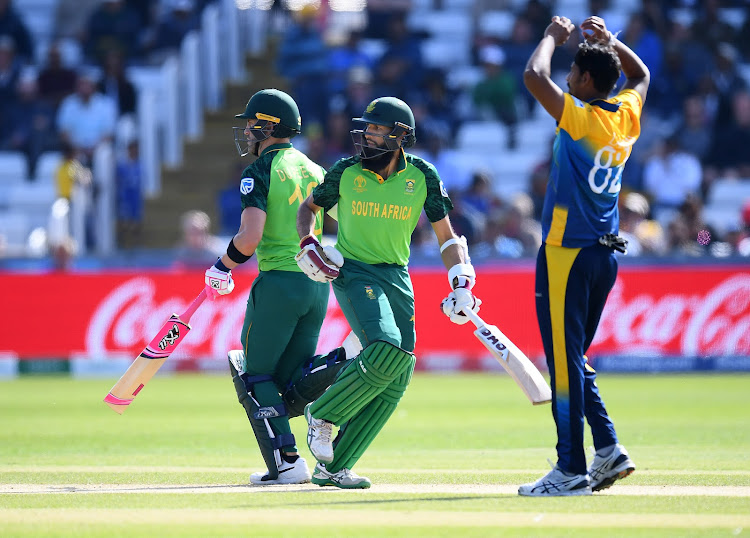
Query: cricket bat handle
[[474, 318]]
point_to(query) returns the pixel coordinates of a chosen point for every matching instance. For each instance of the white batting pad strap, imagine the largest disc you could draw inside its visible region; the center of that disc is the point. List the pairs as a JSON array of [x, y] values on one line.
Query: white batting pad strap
[[462, 269]]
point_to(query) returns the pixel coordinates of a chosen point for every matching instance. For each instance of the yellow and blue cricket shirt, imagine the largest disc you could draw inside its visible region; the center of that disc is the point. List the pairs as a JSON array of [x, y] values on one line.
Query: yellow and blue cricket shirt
[[592, 143]]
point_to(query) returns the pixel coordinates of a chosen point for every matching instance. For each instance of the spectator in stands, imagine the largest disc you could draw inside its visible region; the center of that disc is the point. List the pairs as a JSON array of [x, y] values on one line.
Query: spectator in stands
[[12, 25], [302, 61], [694, 132], [116, 85], [401, 68], [670, 176], [10, 72], [645, 42], [538, 13], [495, 95], [87, 118], [438, 102], [180, 19], [513, 232], [644, 236], [709, 24], [197, 248], [379, 13], [679, 240], [342, 58], [30, 123], [517, 51], [729, 155], [75, 184], [56, 81], [338, 136], [668, 92], [112, 26], [431, 147], [357, 95], [129, 198], [479, 197], [727, 80], [691, 210]]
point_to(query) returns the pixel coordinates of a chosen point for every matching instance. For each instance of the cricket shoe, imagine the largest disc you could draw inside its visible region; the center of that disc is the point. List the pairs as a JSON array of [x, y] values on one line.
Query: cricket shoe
[[557, 483], [606, 470], [344, 479], [289, 473], [319, 434]]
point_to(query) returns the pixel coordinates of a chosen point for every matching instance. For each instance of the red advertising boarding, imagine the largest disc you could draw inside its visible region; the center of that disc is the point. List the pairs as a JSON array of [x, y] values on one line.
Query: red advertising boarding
[[659, 310]]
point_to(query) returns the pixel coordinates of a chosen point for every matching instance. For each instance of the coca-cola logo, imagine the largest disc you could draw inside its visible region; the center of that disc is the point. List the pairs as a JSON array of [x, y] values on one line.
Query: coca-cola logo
[[714, 323], [129, 316]]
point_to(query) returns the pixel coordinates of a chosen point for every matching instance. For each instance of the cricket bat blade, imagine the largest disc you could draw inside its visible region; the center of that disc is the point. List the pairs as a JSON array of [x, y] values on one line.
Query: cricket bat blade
[[513, 360], [151, 358]]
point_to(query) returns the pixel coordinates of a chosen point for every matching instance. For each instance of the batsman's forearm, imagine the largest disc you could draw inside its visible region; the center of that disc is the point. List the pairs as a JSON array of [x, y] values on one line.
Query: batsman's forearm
[[632, 66], [305, 220], [539, 64]]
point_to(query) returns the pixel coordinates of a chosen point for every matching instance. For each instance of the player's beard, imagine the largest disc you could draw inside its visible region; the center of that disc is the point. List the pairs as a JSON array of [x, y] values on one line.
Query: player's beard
[[254, 148], [376, 163]]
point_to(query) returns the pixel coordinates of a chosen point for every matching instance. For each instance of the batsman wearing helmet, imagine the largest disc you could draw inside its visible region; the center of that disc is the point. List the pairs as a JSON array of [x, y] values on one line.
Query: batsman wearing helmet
[[576, 266], [274, 375], [380, 193]]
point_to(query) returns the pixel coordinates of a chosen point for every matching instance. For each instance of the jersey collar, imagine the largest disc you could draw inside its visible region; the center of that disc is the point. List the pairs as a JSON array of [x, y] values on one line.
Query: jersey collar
[[276, 147], [606, 105]]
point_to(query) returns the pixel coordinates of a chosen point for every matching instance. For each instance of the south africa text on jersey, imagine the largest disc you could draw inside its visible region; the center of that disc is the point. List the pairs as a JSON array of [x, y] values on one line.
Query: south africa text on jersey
[[383, 211]]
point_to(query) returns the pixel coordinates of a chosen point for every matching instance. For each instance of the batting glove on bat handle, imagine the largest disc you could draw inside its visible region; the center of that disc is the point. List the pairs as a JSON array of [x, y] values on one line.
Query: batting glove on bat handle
[[218, 281], [319, 263], [450, 305]]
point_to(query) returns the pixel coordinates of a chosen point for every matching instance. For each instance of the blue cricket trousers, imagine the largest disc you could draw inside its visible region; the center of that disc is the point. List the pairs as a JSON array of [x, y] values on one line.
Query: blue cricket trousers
[[572, 285]]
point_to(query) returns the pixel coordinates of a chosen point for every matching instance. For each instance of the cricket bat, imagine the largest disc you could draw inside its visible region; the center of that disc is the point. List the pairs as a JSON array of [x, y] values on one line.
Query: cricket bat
[[515, 361], [150, 360]]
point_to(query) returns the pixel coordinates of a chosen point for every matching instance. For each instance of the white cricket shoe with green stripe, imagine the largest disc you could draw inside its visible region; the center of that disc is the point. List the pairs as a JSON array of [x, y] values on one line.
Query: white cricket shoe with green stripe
[[345, 478]]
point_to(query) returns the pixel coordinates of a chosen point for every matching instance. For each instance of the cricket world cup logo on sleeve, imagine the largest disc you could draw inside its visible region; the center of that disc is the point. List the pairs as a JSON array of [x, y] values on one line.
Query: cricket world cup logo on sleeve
[[491, 341]]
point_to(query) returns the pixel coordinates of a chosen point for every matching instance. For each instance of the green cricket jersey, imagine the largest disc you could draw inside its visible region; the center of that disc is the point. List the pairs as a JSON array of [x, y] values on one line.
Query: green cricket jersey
[[277, 183], [377, 217]]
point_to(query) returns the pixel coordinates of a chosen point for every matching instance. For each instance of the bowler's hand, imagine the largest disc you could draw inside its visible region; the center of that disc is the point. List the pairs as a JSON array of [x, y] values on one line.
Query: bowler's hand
[[560, 29], [595, 30]]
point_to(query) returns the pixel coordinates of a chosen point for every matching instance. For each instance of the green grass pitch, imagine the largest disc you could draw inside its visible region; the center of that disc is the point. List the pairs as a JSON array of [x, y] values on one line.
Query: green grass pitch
[[176, 463]]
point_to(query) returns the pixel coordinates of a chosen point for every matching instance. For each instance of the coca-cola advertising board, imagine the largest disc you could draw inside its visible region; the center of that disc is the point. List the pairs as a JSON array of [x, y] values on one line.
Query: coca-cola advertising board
[[657, 312]]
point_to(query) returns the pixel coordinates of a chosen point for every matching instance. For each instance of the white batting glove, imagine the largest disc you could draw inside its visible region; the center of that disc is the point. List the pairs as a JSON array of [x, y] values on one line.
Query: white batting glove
[[218, 281], [319, 263], [464, 298]]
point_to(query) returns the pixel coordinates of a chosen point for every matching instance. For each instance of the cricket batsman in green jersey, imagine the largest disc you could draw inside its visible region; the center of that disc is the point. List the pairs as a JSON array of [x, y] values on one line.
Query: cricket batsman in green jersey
[[276, 374], [380, 193]]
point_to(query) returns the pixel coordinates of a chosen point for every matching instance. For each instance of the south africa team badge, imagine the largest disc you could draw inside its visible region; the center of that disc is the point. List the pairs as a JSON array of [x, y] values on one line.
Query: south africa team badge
[[409, 186]]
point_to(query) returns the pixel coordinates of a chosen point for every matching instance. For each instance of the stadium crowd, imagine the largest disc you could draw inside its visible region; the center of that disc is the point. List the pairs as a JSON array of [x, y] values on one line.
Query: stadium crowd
[[695, 125]]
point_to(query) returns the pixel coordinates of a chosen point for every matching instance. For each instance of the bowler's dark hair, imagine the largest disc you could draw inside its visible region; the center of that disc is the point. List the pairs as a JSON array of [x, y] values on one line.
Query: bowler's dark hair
[[602, 64]]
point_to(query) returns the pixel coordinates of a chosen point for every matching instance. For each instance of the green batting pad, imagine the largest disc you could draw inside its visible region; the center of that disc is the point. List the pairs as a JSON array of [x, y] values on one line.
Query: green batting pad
[[357, 434], [361, 380]]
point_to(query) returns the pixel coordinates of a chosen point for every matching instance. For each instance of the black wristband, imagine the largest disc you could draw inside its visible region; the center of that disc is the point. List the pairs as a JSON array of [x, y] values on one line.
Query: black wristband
[[235, 255]]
